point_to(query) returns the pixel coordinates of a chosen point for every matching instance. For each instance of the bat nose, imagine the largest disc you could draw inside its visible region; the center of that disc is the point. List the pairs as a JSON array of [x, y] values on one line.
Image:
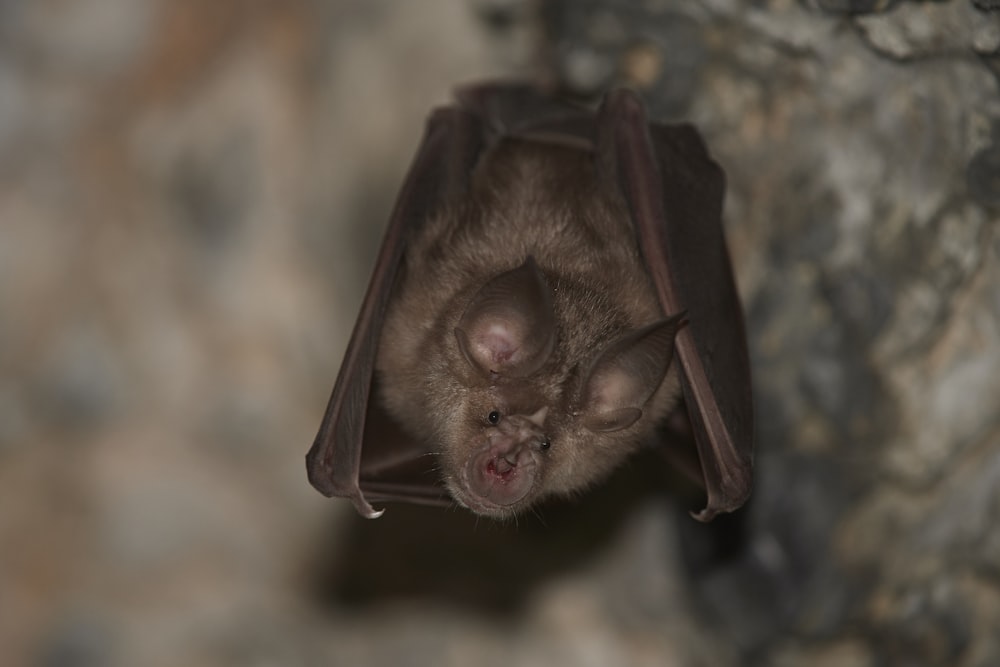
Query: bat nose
[[504, 463], [503, 472], [506, 457], [521, 428]]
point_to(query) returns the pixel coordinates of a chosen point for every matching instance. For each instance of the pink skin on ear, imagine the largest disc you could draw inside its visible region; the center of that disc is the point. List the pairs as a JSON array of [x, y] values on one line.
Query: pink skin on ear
[[626, 374], [495, 348], [508, 328]]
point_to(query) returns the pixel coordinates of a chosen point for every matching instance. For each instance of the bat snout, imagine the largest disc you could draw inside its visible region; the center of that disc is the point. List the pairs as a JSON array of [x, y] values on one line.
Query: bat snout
[[501, 474]]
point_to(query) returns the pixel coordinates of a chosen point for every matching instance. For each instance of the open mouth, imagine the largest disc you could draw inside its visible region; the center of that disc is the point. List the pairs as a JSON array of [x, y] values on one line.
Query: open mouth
[[491, 483]]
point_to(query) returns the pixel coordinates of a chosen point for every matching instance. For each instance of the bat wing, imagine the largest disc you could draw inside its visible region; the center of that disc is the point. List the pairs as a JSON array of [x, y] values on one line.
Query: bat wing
[[675, 193], [359, 453]]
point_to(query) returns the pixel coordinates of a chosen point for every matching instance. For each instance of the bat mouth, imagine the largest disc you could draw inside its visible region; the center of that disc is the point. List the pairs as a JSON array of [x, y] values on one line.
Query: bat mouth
[[494, 481]]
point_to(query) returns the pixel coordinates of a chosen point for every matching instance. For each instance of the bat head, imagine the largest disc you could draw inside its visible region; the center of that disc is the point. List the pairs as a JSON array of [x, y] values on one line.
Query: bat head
[[521, 441], [503, 470]]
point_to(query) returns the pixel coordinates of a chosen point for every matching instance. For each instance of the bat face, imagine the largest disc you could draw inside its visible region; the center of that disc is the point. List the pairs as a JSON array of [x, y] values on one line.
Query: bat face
[[498, 461], [511, 444], [541, 267]]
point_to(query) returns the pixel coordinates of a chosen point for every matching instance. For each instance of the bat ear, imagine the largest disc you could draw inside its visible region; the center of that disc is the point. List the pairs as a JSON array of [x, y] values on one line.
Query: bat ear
[[509, 327], [625, 374]]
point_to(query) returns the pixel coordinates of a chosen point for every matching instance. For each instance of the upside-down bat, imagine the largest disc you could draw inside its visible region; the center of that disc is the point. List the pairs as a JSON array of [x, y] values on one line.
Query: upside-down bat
[[553, 290]]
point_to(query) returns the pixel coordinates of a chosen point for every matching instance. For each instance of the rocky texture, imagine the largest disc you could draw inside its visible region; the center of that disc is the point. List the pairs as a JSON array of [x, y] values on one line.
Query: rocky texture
[[861, 156], [190, 197]]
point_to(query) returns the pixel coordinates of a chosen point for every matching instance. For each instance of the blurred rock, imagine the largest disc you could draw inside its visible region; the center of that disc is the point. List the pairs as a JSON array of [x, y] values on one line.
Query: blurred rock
[[983, 176], [856, 6], [649, 47], [79, 640], [931, 29]]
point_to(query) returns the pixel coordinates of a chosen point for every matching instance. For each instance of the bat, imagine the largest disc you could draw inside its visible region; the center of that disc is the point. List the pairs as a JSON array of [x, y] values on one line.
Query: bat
[[553, 292]]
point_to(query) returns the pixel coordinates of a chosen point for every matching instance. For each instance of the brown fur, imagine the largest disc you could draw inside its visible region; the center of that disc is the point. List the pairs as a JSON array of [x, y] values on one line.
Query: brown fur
[[526, 199]]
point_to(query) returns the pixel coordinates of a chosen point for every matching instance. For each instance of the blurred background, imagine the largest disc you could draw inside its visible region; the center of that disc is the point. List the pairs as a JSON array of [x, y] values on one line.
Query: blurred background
[[191, 196]]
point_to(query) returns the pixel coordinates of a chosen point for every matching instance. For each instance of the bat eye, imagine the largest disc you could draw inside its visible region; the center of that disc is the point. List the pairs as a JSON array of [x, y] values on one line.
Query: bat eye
[[545, 444], [493, 417]]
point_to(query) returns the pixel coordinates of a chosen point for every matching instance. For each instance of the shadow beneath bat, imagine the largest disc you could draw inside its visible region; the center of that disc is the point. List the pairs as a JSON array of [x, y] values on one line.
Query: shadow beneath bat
[[454, 558]]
